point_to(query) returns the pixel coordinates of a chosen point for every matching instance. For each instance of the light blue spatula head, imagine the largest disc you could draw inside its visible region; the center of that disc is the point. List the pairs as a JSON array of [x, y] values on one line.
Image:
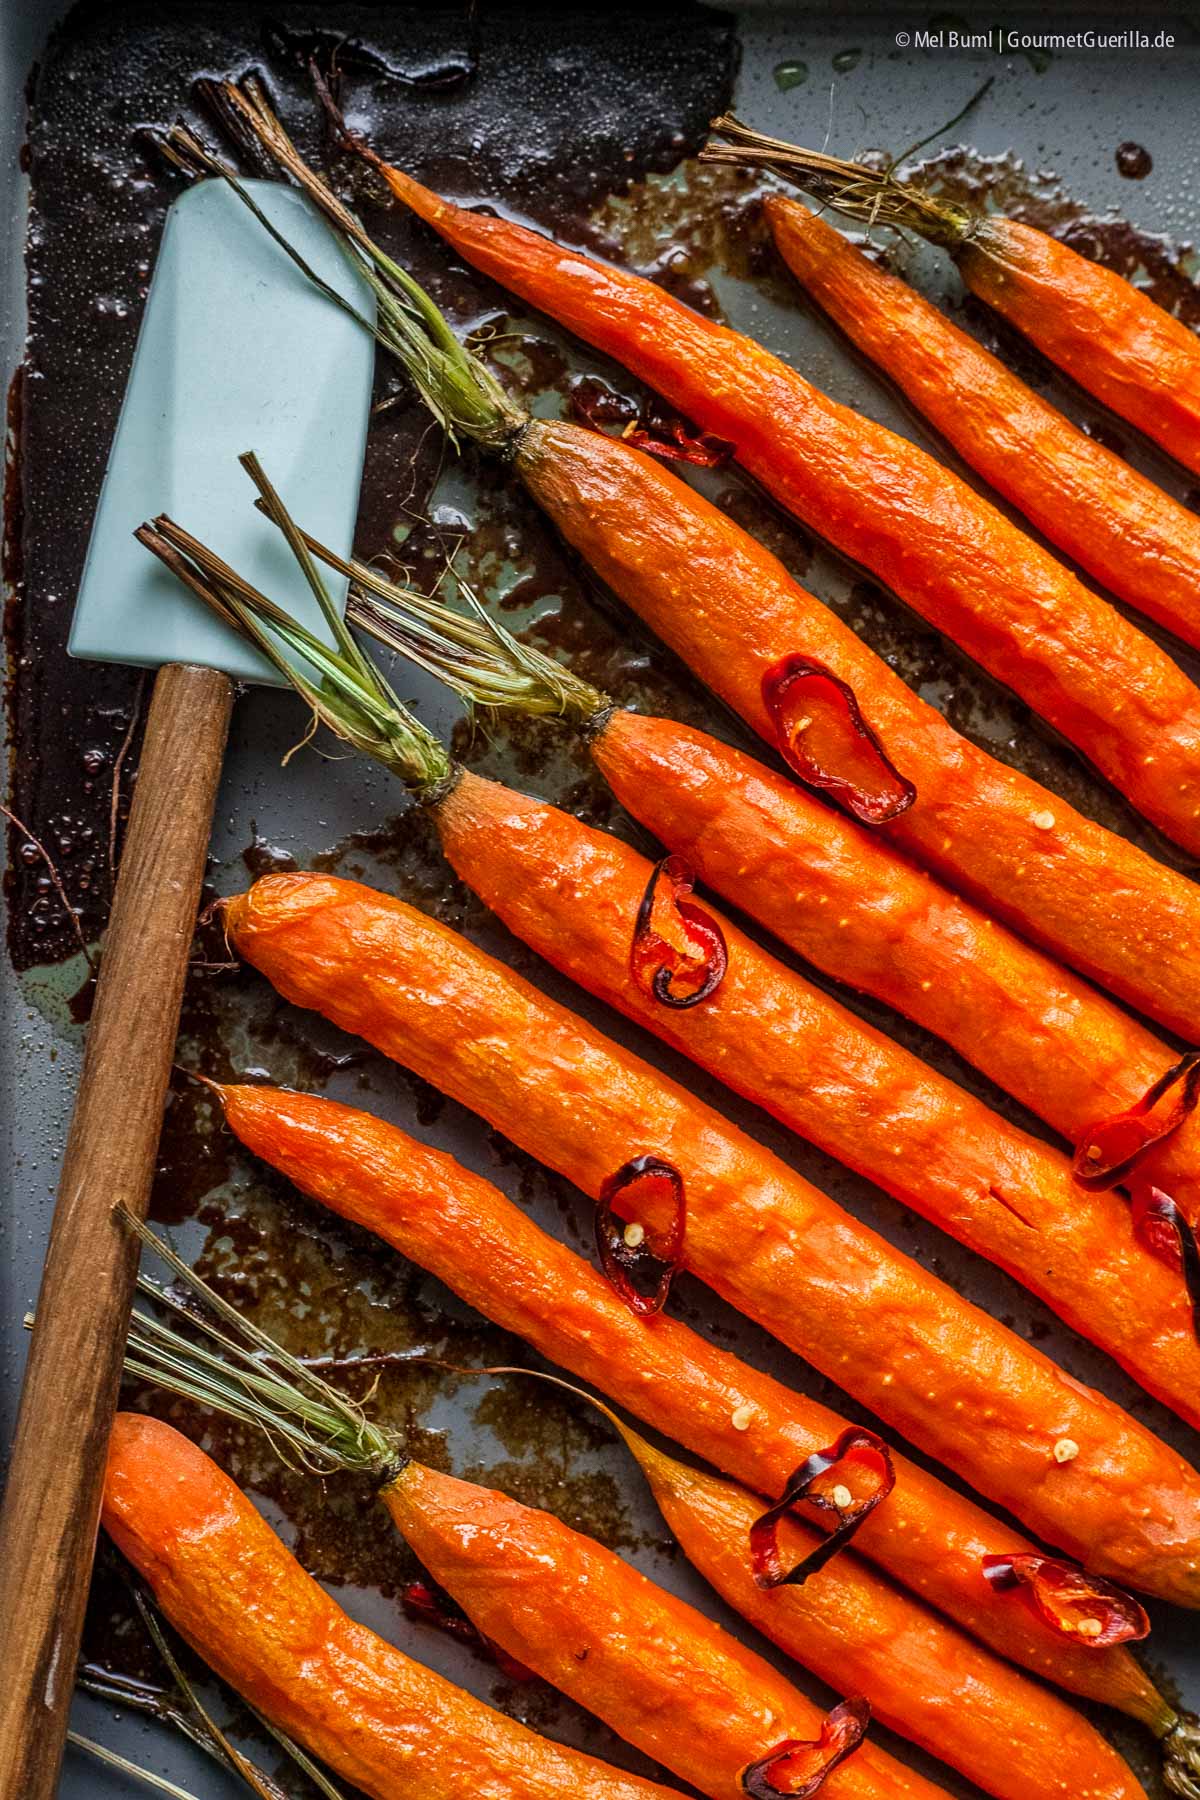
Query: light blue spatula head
[[237, 351]]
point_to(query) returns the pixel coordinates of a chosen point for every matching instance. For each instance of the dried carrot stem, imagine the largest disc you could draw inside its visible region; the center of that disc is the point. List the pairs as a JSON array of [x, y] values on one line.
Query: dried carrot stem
[[882, 1327], [460, 1228], [884, 502], [1125, 531], [238, 1596], [1111, 338]]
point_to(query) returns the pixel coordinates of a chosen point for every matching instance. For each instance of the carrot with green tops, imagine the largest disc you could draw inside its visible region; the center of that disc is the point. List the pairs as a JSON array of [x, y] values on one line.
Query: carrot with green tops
[[731, 610], [848, 904], [525, 1579], [677, 1686], [1119, 526], [602, 913], [244, 1604], [879, 499], [1107, 335], [954, 1381], [461, 1229]]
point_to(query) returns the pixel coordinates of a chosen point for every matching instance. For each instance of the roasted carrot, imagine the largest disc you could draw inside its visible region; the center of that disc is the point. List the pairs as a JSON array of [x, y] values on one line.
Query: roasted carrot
[[238, 1370], [884, 502], [592, 906], [954, 1381], [1125, 531], [877, 1644], [691, 1696], [881, 924], [239, 1597], [849, 904], [460, 1228], [667, 1679], [732, 611], [572, 893], [1107, 335]]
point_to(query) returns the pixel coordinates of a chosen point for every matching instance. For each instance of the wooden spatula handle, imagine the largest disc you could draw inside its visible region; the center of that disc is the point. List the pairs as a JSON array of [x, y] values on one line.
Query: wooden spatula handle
[[49, 1519]]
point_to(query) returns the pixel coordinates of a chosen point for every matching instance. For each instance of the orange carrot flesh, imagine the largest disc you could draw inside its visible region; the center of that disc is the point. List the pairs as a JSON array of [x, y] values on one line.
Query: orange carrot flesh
[[951, 1379], [886, 504], [730, 609], [666, 1678], [240, 1598], [1125, 531], [1111, 339], [849, 904], [1014, 1740], [572, 893], [463, 1230]]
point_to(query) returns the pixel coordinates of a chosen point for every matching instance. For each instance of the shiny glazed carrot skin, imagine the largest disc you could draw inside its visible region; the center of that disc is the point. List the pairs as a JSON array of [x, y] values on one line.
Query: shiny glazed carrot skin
[[666, 1678], [240, 1598], [487, 1251], [886, 504], [1015, 1740], [1125, 531], [847, 902], [731, 610], [572, 893], [951, 1379], [1112, 340]]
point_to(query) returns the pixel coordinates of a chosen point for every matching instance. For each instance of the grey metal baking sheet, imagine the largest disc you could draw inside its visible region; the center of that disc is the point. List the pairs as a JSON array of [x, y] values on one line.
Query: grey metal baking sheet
[[1047, 132]]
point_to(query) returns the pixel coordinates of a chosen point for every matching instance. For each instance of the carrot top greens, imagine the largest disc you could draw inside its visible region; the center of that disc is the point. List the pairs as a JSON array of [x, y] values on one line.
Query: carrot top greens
[[470, 652], [461, 392]]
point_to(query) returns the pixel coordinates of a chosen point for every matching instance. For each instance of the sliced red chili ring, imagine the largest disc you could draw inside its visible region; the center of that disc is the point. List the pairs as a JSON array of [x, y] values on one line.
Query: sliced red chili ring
[[857, 1451], [678, 955], [1111, 1149], [1079, 1606], [823, 736], [680, 444], [632, 1255], [432, 1607], [1163, 1229], [796, 1769]]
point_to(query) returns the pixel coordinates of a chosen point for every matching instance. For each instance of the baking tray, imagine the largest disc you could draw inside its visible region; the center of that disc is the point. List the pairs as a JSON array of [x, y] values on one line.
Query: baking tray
[[552, 101]]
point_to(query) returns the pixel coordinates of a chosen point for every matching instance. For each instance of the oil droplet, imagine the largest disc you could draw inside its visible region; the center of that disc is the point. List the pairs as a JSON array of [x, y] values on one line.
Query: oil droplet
[[845, 60], [790, 75], [1134, 161]]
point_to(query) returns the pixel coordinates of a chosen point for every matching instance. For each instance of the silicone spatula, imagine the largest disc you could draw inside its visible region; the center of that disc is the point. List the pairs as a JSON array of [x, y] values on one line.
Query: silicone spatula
[[237, 351]]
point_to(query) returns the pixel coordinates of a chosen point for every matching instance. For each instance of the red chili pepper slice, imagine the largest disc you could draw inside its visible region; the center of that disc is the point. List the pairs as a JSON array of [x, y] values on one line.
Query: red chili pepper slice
[[682, 445], [795, 1770], [823, 736], [678, 955], [858, 1454], [432, 1607], [1111, 1149], [1162, 1228], [1079, 1606], [630, 1252]]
